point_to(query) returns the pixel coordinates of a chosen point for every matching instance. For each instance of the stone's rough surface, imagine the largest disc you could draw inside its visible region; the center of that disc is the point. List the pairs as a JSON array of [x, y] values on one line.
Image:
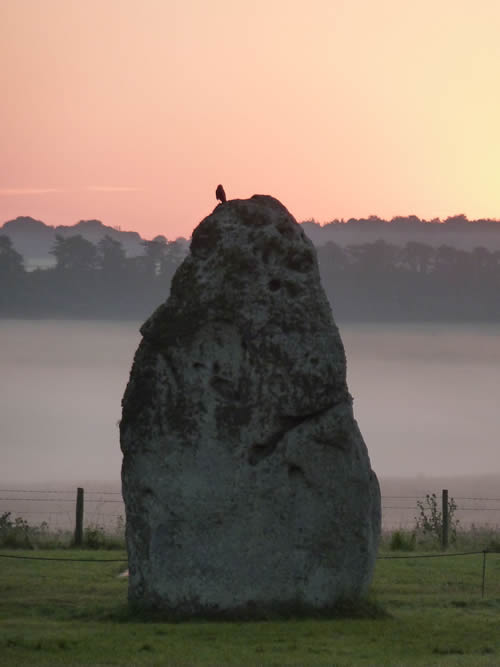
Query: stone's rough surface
[[247, 484]]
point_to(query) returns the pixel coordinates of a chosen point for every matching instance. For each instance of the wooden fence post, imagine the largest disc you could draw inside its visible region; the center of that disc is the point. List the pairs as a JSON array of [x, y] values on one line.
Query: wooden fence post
[[445, 527], [484, 572], [79, 518]]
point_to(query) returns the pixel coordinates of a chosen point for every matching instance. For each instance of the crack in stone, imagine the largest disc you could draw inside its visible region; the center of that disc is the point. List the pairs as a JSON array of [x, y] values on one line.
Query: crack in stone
[[262, 450]]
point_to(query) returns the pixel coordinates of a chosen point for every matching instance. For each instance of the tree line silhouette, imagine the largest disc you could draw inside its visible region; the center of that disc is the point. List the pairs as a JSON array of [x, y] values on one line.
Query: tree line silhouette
[[89, 280], [376, 281], [415, 282], [456, 231]]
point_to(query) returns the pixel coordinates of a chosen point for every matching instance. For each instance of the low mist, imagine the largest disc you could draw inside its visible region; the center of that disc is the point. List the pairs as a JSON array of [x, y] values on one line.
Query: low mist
[[425, 398]]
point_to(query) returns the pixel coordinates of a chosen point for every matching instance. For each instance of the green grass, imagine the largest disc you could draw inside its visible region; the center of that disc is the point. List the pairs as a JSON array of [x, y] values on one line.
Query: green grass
[[76, 614]]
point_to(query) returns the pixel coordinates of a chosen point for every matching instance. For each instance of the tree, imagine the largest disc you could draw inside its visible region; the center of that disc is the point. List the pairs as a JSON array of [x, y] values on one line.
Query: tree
[[459, 219], [377, 256], [446, 258], [174, 254], [154, 252], [111, 257], [13, 279], [11, 262], [483, 260], [74, 253], [332, 257], [418, 257], [406, 220]]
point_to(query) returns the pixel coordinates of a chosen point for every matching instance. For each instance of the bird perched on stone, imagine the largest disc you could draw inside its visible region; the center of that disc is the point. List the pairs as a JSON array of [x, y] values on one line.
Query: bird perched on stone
[[220, 194]]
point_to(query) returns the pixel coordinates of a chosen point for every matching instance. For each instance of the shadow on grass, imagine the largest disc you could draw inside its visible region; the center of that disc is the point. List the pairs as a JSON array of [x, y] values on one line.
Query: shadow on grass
[[365, 608]]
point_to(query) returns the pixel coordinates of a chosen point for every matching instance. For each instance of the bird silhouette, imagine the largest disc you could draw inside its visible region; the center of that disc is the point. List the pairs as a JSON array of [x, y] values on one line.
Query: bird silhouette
[[220, 194]]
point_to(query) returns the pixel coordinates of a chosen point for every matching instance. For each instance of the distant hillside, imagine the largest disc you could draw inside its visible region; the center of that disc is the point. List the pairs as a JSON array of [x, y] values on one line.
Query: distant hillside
[[456, 231], [34, 239]]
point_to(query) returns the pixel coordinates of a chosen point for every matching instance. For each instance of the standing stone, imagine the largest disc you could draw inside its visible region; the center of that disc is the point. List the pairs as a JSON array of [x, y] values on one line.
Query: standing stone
[[247, 484]]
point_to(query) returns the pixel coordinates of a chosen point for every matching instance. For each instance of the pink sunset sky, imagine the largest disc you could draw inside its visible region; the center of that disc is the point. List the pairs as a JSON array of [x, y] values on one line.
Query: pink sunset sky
[[132, 111]]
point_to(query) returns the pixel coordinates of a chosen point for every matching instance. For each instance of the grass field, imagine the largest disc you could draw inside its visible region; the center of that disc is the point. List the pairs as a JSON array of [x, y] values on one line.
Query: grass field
[[63, 613]]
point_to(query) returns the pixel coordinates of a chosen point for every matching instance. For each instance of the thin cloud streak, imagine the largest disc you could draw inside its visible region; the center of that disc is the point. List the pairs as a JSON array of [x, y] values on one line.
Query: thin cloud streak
[[13, 192]]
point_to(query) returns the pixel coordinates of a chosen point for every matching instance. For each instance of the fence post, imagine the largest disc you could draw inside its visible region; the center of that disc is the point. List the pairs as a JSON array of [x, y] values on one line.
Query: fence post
[[445, 527], [79, 518], [484, 573]]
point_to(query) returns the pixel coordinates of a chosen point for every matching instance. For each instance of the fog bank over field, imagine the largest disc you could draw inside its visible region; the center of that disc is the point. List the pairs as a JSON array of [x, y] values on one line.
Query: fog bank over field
[[426, 398]]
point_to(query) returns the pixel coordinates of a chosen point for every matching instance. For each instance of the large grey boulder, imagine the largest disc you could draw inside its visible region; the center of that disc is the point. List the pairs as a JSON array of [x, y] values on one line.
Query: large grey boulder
[[247, 484]]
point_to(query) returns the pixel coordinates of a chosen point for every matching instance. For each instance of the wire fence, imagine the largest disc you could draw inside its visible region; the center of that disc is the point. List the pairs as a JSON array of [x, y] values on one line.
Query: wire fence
[[105, 508], [402, 512], [56, 508]]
